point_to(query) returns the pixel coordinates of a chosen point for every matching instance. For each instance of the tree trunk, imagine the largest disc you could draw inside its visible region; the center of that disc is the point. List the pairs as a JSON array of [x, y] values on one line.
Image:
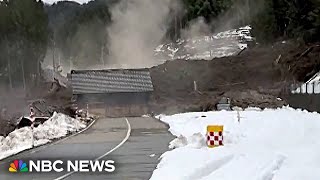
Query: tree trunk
[[23, 75], [38, 72], [9, 65], [9, 73]]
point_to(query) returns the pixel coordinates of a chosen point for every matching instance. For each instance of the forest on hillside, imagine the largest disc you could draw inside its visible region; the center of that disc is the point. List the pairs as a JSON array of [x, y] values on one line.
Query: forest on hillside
[[28, 28]]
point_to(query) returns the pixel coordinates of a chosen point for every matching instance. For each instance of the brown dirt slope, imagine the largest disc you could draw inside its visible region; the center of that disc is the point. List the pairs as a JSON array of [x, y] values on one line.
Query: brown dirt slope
[[302, 62], [250, 79]]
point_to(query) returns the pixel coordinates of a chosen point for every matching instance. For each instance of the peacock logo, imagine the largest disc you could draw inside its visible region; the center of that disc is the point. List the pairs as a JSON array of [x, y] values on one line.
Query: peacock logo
[[18, 166]]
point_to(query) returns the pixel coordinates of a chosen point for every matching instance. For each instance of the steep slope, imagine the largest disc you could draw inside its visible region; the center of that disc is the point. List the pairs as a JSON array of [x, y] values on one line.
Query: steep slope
[[249, 79]]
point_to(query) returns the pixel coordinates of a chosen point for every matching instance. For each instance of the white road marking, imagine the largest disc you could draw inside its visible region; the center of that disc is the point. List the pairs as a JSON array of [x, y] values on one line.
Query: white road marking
[[102, 156]]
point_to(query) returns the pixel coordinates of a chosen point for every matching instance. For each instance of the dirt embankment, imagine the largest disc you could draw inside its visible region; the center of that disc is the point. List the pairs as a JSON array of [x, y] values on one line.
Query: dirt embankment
[[302, 62], [256, 77]]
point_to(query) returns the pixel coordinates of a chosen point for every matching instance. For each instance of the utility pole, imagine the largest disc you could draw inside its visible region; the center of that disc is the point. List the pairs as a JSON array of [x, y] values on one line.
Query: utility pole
[[53, 60], [22, 67], [59, 58], [38, 71], [70, 63], [9, 73], [180, 24], [53, 56], [9, 65], [23, 75], [102, 55], [175, 27]]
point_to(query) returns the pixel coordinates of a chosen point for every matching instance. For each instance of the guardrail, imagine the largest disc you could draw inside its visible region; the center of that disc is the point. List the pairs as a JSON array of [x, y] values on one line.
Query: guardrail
[[306, 88], [303, 95]]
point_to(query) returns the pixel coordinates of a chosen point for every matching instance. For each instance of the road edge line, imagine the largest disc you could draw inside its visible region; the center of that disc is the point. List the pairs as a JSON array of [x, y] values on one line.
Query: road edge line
[[102, 156]]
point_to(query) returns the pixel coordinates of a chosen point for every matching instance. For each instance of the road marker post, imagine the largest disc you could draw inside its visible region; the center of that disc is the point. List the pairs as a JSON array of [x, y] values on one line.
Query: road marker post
[[214, 136]]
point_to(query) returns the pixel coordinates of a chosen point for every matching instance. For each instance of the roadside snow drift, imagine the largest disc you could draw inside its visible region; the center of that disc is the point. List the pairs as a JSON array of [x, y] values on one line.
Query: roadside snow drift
[[59, 125], [281, 144]]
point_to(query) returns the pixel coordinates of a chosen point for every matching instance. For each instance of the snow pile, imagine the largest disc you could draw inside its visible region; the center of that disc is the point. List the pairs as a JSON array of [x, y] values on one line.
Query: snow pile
[[223, 44], [59, 125], [278, 144], [15, 142]]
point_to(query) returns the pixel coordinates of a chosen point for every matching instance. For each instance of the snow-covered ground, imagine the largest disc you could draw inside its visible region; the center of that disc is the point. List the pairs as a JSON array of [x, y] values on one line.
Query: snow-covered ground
[[222, 44], [59, 125], [278, 144]]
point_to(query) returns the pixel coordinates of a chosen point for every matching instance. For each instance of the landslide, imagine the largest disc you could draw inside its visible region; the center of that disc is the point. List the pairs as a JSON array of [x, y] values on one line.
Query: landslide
[[256, 77]]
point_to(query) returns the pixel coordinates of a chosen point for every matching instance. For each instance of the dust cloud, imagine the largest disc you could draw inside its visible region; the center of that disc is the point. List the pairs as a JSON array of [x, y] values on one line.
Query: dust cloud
[[138, 27], [197, 27]]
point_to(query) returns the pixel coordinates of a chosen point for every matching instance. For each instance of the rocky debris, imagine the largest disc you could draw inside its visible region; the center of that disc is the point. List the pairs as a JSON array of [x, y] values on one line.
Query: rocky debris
[[42, 108], [224, 104], [302, 62], [8, 122], [45, 99], [252, 98], [252, 75]]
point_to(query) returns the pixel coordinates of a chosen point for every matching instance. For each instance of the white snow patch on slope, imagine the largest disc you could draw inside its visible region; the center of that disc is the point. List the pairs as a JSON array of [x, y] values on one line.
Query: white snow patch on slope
[[277, 144], [59, 125], [222, 44], [54, 1]]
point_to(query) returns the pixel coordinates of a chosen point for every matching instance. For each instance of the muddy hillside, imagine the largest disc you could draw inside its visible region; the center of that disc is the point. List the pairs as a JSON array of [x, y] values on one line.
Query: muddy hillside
[[256, 77]]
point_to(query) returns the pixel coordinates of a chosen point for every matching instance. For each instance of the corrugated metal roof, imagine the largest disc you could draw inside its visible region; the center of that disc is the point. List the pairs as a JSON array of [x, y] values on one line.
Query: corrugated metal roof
[[111, 81]]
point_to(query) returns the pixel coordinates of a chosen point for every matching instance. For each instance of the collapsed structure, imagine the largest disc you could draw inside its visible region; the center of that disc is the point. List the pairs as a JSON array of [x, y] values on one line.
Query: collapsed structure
[[112, 93]]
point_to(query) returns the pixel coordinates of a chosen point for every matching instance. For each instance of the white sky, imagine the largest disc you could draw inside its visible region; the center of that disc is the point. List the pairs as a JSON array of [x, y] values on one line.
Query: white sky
[[53, 1]]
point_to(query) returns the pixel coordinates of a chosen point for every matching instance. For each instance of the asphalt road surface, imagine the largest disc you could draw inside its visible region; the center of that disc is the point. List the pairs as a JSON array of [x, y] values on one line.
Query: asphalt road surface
[[136, 154]]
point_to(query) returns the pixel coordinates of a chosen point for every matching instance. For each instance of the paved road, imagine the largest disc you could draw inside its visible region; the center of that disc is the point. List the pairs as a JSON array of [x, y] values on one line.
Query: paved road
[[133, 160]]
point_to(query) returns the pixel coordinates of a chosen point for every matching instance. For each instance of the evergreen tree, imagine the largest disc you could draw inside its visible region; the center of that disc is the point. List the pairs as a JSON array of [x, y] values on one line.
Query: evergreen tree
[[297, 19], [82, 35], [23, 38]]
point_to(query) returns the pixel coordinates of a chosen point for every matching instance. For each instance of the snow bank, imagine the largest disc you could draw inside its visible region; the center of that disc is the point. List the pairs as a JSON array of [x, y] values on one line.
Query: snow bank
[[59, 125], [278, 144]]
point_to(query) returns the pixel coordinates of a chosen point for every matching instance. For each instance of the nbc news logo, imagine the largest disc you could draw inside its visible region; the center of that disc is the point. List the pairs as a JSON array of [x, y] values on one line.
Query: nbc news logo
[[18, 166], [61, 166]]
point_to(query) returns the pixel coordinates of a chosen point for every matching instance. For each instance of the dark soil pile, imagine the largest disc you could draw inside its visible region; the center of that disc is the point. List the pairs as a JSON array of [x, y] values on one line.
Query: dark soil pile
[[249, 79], [302, 62], [50, 97]]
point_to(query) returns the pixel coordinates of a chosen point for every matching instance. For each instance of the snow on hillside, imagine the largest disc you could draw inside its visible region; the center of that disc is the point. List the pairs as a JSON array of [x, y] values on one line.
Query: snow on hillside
[[54, 1], [280, 144], [223, 44], [59, 125]]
